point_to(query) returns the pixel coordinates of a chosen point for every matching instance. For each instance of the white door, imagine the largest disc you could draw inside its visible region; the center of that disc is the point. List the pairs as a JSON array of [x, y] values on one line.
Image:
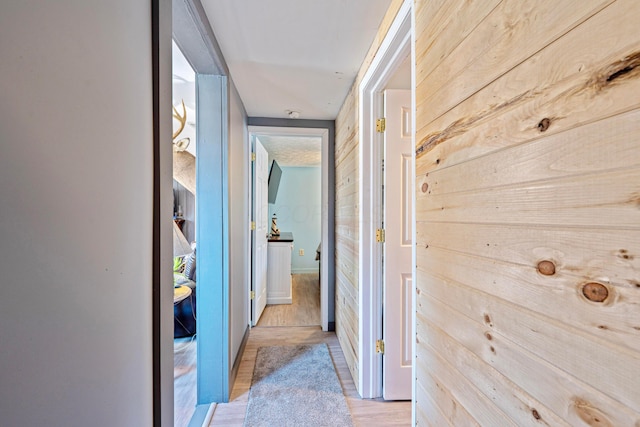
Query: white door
[[397, 288], [260, 216]]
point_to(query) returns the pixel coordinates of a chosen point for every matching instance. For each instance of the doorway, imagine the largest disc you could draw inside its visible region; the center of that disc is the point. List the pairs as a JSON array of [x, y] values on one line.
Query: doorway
[[222, 210], [397, 223], [322, 134], [293, 214], [388, 66], [184, 238]]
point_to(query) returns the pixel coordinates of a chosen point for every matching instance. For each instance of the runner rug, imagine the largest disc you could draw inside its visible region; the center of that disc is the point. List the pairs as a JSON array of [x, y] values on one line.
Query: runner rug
[[296, 386]]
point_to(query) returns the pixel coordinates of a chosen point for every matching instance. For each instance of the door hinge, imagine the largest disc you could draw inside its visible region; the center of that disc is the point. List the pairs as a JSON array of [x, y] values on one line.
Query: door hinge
[[380, 346], [253, 295], [380, 235], [253, 225], [381, 125], [253, 157]]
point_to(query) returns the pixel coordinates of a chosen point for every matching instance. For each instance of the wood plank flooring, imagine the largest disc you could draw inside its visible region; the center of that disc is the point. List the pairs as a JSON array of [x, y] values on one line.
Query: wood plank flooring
[[305, 309], [363, 412], [184, 380]]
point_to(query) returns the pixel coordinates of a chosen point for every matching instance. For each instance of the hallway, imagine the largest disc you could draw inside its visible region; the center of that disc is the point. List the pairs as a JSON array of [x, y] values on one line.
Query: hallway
[[363, 412]]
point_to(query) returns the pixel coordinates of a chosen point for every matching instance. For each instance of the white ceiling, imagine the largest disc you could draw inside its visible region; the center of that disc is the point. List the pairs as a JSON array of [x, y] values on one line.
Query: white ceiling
[[300, 151], [300, 55], [288, 55]]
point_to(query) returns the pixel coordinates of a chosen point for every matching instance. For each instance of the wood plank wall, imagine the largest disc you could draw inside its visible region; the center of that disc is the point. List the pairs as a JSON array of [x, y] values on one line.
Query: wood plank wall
[[347, 210], [528, 213]]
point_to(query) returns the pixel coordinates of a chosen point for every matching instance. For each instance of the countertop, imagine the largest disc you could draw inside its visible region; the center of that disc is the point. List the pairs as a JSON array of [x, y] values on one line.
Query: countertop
[[285, 236]]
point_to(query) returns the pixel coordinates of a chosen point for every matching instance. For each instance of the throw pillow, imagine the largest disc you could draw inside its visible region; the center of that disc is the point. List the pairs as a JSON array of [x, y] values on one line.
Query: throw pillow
[[178, 264], [190, 266]]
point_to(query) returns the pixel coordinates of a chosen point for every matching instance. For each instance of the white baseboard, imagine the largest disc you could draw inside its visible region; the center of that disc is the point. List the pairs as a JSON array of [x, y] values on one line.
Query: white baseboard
[[209, 416], [304, 270], [279, 300], [202, 415]]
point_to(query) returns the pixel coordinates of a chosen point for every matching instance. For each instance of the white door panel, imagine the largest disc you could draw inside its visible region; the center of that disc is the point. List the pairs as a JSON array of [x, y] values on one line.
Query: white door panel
[[397, 287], [260, 215]]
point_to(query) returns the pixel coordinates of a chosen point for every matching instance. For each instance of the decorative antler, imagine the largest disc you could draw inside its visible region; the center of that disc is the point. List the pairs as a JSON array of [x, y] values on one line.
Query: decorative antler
[[182, 119]]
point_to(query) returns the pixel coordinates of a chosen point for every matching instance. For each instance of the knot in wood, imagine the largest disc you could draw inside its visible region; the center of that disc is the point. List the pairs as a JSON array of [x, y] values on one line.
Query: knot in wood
[[595, 292], [547, 268], [535, 414], [487, 320], [544, 124], [425, 187]]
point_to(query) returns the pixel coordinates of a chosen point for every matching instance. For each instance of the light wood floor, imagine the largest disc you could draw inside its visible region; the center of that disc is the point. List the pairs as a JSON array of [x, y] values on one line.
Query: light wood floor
[[184, 380], [363, 412], [305, 309]]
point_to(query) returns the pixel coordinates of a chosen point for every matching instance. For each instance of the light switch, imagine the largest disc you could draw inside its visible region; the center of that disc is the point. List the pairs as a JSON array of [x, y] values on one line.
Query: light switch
[[301, 252]]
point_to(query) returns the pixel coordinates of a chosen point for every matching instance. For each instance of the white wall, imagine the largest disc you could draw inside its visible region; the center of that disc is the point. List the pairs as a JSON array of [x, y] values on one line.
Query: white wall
[[76, 213], [238, 221], [186, 200]]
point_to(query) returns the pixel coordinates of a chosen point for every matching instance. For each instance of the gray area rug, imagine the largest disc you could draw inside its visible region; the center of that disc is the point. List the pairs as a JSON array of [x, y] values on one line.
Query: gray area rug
[[296, 386]]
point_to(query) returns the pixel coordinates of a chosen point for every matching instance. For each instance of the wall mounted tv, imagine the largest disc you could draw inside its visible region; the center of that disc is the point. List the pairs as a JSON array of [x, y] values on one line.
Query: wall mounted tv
[[274, 181]]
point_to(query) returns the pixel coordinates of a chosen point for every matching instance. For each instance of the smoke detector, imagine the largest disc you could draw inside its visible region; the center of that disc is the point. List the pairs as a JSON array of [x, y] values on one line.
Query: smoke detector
[[293, 114]]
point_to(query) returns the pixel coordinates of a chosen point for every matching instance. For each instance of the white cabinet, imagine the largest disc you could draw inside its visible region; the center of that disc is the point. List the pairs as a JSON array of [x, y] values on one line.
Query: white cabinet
[[279, 272]]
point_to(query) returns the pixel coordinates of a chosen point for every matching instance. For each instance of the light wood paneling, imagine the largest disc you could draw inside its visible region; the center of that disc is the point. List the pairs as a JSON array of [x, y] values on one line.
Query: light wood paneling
[[571, 92], [528, 151], [441, 16], [512, 32], [347, 209]]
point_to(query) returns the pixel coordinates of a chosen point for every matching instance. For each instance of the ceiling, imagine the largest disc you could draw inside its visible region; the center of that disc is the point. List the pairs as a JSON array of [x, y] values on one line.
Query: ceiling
[[289, 150], [287, 55], [294, 55]]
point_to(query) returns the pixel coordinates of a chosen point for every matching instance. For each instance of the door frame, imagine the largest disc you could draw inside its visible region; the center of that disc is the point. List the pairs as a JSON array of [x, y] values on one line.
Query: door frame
[[325, 260], [192, 33], [395, 47]]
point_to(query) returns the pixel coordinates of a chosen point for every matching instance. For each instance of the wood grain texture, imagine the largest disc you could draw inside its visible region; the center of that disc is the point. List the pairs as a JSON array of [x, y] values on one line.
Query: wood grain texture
[[506, 395], [570, 92], [441, 17], [184, 380], [512, 32], [347, 209], [305, 308], [528, 376], [363, 412], [528, 213]]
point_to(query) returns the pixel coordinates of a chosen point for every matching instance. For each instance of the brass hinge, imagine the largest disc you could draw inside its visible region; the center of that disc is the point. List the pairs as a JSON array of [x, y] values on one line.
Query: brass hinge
[[380, 346], [253, 157], [380, 235], [253, 295], [381, 125], [253, 225]]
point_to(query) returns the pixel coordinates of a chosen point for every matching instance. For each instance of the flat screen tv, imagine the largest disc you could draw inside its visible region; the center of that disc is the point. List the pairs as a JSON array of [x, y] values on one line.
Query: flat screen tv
[[274, 181]]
